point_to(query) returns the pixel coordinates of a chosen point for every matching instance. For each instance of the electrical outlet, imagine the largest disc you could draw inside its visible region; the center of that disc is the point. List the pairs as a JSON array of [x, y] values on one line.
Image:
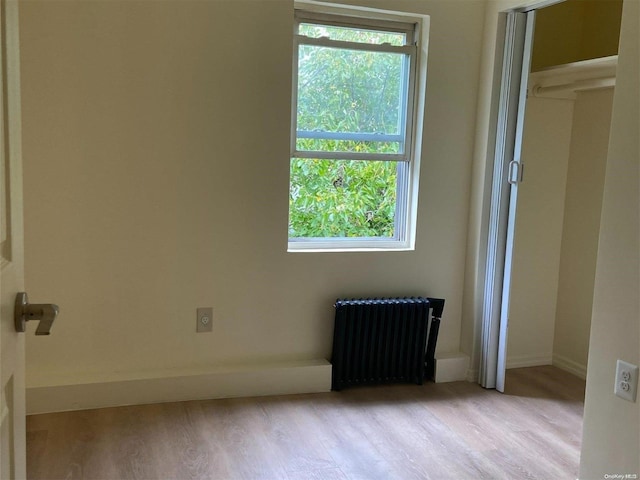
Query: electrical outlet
[[626, 381], [204, 320]]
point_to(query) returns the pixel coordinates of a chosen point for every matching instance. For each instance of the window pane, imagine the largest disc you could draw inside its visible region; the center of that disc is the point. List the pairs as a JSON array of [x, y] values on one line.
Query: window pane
[[346, 34], [342, 198], [350, 92]]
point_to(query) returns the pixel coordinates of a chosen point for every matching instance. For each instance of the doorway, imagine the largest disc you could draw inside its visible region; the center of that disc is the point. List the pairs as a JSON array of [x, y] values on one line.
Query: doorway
[[551, 243], [557, 226]]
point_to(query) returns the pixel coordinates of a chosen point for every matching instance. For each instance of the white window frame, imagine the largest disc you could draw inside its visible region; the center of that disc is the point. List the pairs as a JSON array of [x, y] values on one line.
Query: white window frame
[[416, 26]]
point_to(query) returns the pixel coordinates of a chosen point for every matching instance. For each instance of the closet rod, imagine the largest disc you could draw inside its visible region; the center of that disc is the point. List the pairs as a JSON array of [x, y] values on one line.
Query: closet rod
[[577, 86]]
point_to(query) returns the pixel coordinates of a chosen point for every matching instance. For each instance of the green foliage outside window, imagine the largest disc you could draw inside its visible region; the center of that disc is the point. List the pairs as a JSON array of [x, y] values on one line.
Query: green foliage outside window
[[353, 91], [345, 198]]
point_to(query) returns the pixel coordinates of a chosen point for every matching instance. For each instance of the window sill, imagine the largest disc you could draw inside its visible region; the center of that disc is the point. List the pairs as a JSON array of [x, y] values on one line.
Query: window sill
[[356, 245]]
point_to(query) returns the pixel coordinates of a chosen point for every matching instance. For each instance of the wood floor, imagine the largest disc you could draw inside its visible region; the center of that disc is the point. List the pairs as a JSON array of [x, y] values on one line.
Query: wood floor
[[436, 431]]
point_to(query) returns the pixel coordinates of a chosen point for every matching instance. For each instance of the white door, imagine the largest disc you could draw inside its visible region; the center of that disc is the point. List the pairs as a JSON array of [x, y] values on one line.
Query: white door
[[514, 177], [12, 402], [507, 173]]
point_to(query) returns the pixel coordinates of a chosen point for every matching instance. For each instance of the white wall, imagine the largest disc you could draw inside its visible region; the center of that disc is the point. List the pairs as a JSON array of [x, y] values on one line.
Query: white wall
[[611, 434], [156, 181], [582, 209], [538, 231]]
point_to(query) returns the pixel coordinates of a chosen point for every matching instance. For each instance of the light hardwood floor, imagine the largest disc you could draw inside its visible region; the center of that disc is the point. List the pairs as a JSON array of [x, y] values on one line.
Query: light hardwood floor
[[436, 431]]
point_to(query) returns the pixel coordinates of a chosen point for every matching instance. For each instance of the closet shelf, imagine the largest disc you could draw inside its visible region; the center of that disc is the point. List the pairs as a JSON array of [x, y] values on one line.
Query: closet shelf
[[564, 81]]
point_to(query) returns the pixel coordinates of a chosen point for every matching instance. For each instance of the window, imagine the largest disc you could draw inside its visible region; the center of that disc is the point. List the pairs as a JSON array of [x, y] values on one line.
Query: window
[[357, 107]]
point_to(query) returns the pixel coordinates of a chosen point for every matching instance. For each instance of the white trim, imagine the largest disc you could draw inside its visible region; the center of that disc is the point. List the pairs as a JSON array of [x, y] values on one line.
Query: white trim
[[451, 367], [178, 385], [569, 365], [520, 361], [347, 245], [536, 5]]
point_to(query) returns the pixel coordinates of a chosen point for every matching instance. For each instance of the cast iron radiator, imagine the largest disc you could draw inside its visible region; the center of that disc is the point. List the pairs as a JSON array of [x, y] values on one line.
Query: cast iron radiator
[[384, 340]]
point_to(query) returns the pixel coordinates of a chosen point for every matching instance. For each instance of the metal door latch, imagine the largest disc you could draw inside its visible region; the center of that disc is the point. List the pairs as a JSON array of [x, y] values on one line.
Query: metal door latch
[[25, 311]]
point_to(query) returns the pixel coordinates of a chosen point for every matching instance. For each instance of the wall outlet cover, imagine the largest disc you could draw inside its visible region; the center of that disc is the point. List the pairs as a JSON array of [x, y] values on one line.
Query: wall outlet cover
[[204, 319], [626, 381]]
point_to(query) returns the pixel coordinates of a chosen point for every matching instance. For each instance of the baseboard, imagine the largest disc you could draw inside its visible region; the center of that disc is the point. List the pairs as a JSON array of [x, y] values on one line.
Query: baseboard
[[563, 363], [174, 386], [451, 367], [519, 361]]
